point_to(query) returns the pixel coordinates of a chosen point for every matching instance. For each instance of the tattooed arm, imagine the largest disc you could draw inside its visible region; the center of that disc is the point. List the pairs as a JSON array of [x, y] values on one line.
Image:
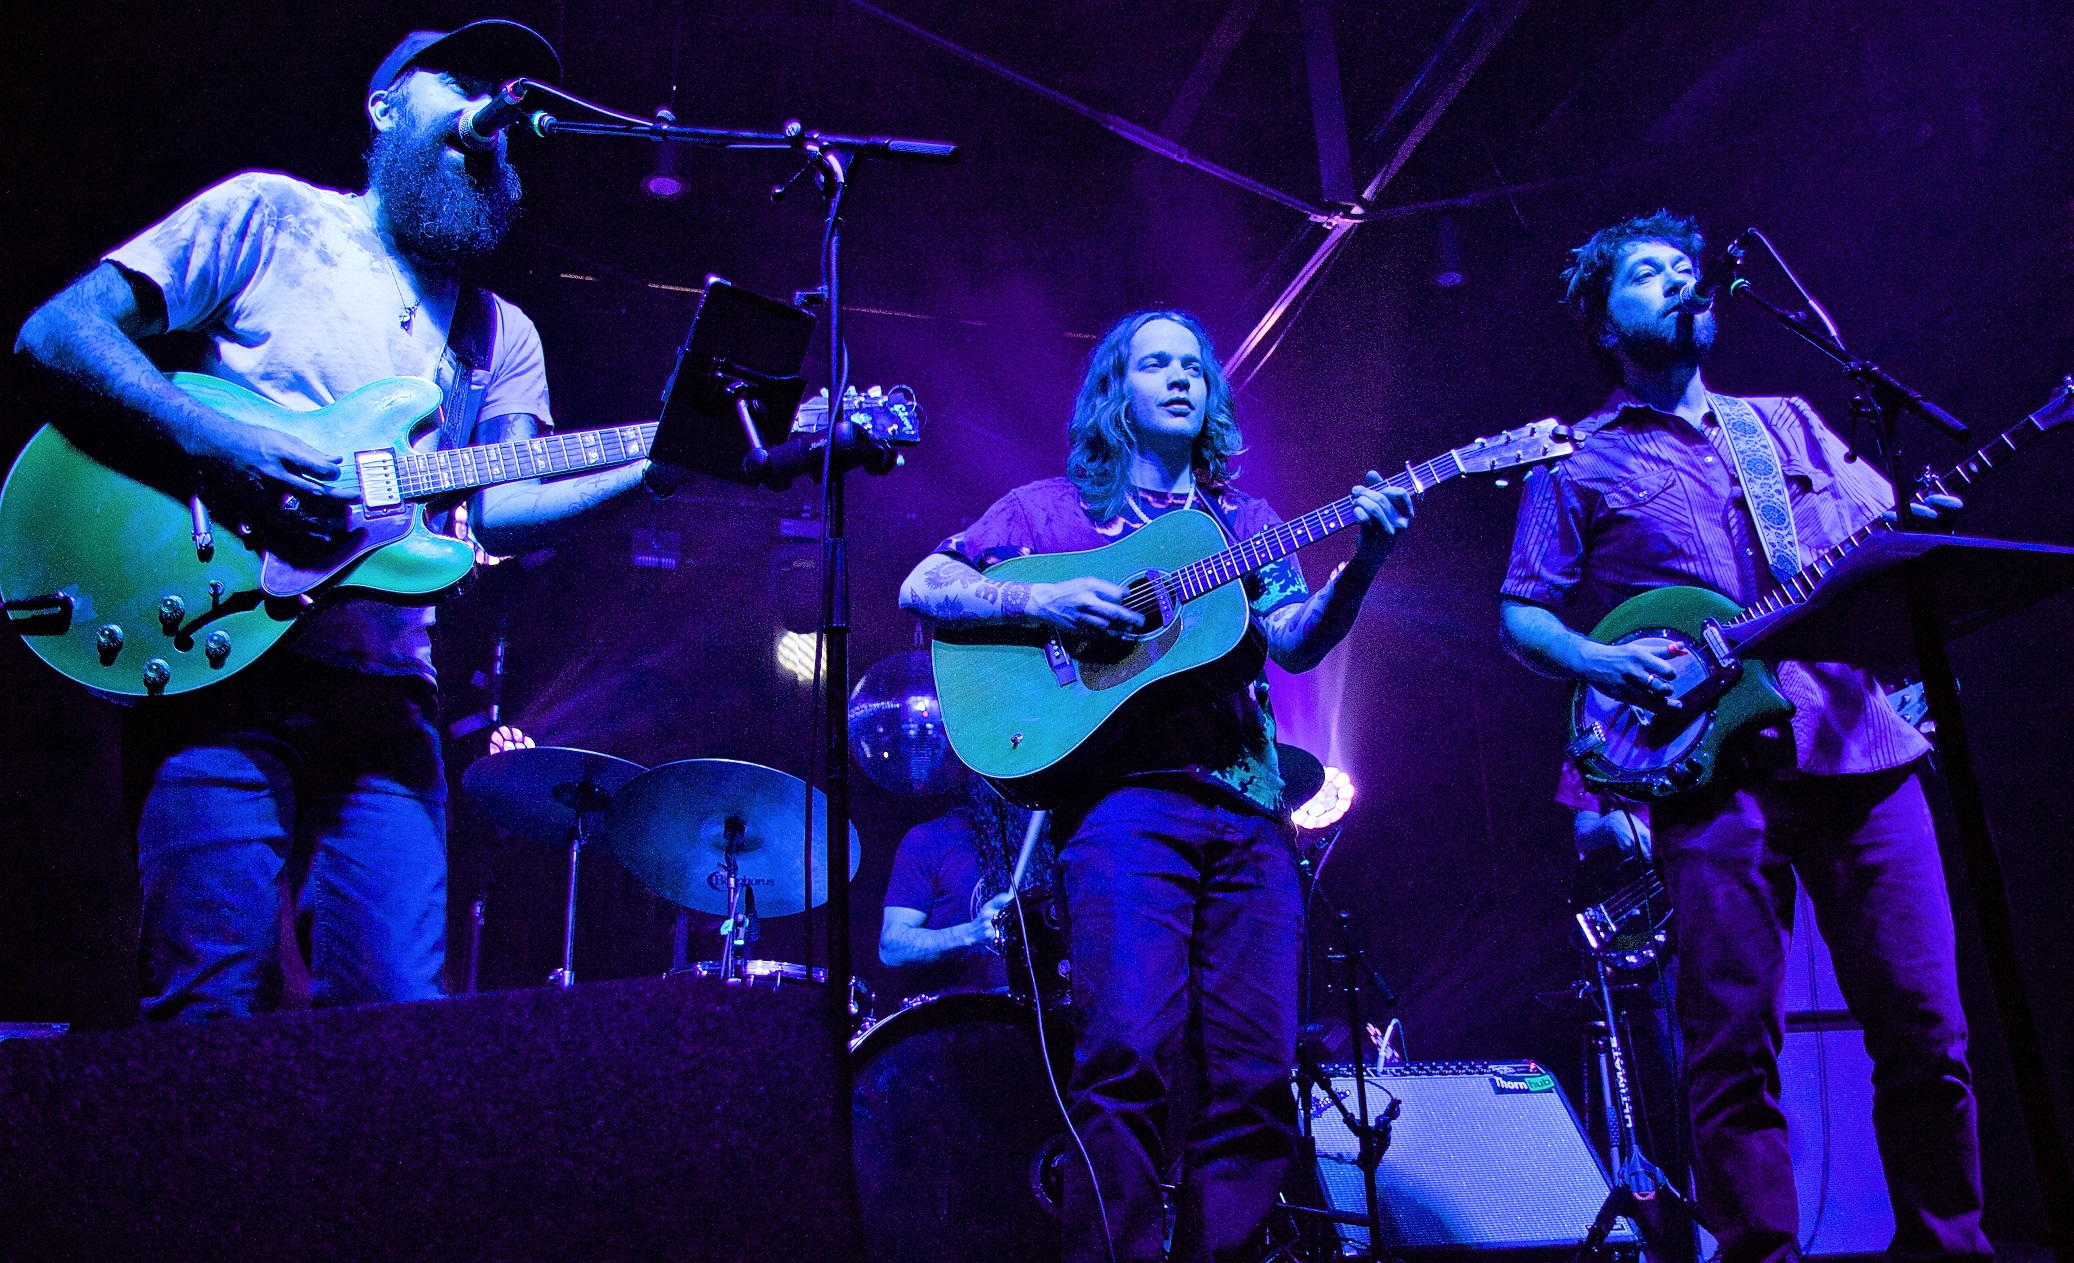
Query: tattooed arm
[[508, 518], [948, 593], [1299, 636]]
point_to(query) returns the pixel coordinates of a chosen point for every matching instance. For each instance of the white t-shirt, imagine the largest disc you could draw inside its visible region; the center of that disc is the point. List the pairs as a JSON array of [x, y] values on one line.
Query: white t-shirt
[[302, 303]]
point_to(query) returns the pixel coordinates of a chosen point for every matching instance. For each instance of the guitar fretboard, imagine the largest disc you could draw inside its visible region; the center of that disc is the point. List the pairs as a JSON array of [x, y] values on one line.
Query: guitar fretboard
[[421, 475], [1797, 589], [1281, 539]]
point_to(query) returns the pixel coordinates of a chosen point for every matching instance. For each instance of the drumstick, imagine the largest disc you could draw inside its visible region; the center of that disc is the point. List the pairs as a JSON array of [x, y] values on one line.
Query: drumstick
[[1022, 862]]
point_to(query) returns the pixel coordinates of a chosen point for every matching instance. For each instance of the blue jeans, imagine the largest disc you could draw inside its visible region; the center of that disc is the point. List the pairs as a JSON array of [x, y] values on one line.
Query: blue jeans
[[329, 777], [1184, 919], [1866, 849]]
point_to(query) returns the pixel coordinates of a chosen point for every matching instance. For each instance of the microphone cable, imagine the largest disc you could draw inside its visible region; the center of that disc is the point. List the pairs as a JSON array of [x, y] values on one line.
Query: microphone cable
[[1051, 1076]]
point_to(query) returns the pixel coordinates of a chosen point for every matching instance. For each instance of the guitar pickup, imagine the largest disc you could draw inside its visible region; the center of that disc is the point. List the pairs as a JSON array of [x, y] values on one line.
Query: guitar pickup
[[378, 485], [1062, 667]]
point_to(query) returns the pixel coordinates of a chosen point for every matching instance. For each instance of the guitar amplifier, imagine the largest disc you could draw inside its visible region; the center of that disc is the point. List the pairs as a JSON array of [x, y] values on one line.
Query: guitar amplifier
[[1483, 1155]]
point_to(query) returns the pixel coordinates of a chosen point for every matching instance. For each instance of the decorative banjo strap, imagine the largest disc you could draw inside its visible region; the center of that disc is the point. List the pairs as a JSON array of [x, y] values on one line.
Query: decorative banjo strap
[[1764, 483]]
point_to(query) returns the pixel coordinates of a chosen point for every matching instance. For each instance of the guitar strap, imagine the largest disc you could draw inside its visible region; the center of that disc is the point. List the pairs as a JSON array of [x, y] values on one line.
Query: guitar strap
[[472, 337], [1764, 482]]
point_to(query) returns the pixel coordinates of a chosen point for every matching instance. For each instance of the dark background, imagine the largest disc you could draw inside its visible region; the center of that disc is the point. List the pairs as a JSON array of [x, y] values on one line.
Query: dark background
[[1911, 161]]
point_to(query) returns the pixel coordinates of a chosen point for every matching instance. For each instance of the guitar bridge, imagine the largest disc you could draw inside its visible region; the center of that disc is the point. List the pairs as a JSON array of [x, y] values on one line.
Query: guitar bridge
[[1062, 668], [378, 485], [1585, 742]]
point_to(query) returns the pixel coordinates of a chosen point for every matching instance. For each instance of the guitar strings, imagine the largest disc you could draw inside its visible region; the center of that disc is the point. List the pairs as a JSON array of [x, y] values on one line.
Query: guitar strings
[[1279, 540]]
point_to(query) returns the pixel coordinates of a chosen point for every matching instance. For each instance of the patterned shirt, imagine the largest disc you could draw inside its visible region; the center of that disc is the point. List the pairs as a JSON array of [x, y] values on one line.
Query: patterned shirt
[[1225, 741], [1651, 500]]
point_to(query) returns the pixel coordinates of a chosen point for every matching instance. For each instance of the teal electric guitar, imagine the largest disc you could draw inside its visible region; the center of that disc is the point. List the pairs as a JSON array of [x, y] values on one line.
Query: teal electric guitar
[[1033, 711], [134, 591], [1649, 754]]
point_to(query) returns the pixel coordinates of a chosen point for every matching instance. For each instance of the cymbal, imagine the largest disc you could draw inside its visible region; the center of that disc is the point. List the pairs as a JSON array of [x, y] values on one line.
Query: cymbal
[[537, 791], [674, 826], [1302, 774]]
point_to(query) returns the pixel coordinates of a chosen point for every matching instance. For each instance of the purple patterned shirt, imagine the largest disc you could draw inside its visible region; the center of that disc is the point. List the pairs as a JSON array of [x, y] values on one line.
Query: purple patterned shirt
[[1651, 500]]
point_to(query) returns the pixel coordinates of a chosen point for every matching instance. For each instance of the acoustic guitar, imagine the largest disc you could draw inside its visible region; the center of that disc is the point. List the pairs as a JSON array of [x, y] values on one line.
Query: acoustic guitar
[[1033, 710]]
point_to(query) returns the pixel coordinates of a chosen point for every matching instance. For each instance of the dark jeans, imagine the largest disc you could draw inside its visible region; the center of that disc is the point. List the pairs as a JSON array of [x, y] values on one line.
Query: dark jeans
[[327, 776], [1866, 850], [1184, 920]]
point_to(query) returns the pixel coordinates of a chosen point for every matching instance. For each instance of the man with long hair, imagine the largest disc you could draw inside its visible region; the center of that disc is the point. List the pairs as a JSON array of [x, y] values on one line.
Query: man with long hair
[[949, 886], [320, 766], [1178, 864], [1676, 484]]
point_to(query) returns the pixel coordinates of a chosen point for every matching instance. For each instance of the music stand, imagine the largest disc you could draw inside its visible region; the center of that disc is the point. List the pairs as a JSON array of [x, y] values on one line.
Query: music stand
[[736, 384], [1924, 589], [1859, 613]]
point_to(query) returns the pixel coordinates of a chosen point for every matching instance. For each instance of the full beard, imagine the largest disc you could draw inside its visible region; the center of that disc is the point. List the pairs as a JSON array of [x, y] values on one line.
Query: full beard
[[1666, 342], [437, 213]]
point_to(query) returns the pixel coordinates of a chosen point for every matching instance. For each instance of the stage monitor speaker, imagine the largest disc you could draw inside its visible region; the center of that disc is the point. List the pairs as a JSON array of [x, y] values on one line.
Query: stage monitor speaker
[[673, 1119], [1483, 1155]]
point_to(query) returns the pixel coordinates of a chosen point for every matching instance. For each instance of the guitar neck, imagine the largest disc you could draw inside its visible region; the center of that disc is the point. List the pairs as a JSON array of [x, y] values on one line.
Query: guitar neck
[[1283, 538], [1797, 589], [424, 475]]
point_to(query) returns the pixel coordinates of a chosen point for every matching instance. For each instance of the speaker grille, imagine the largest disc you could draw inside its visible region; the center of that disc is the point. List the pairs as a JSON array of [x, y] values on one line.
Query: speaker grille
[[1484, 1155]]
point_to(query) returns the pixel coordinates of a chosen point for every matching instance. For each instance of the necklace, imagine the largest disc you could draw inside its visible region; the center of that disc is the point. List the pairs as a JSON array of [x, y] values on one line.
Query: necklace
[[410, 309], [1131, 502]]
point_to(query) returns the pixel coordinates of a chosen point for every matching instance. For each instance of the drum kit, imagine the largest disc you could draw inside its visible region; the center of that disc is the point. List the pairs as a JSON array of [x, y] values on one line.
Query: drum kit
[[713, 835], [957, 1113], [953, 1107]]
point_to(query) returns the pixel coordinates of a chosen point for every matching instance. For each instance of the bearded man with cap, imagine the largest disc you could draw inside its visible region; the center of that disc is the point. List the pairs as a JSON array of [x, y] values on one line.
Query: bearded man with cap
[[320, 766]]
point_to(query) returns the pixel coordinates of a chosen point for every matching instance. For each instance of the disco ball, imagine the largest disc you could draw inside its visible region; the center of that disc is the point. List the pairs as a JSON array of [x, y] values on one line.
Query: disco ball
[[896, 728]]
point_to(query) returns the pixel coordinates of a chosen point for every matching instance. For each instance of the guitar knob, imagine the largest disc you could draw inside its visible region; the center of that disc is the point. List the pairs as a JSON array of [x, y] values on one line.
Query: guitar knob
[[156, 672], [108, 639], [217, 647], [171, 609]]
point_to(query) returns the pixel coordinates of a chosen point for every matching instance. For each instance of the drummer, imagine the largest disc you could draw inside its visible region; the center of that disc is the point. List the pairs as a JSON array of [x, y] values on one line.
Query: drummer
[[950, 882]]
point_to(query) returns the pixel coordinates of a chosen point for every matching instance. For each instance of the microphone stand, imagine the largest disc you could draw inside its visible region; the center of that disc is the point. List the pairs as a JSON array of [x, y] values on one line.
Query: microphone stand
[[830, 159], [610, 122], [1880, 400]]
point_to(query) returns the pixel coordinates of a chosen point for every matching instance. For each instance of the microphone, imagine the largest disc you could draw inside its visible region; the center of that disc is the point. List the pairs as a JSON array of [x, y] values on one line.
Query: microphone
[[1717, 273], [481, 125]]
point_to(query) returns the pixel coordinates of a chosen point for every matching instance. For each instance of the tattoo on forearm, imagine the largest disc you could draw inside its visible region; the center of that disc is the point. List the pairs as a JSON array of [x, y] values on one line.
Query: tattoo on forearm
[[1015, 598]]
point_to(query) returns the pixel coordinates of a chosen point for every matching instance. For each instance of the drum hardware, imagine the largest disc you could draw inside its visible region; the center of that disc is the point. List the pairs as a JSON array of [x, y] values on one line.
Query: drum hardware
[[548, 792], [1029, 936], [776, 973], [738, 929], [1641, 1192]]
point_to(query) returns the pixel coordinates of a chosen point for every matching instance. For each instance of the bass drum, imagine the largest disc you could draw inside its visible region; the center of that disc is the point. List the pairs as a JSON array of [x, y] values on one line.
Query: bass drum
[[959, 1146]]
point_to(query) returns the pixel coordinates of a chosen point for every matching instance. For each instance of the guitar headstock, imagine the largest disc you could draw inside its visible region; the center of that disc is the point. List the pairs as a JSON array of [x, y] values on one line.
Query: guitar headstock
[[2058, 410], [1545, 440], [894, 416]]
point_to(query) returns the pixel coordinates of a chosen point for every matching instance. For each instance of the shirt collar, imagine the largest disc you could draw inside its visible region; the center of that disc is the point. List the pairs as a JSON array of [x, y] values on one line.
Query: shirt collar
[[1621, 405]]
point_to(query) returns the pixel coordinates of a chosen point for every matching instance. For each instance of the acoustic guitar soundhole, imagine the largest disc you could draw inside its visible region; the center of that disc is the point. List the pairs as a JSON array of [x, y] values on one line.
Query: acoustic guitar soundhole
[[1108, 661]]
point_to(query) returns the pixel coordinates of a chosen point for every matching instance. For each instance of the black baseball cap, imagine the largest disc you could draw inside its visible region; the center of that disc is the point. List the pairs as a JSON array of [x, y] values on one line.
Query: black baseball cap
[[493, 46]]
